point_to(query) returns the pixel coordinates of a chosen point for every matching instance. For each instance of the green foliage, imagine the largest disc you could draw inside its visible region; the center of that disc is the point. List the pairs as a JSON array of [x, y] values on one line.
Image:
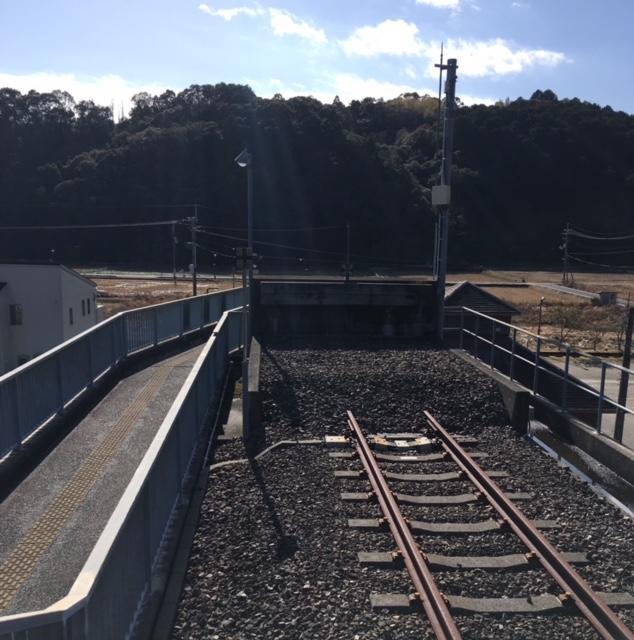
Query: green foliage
[[522, 170]]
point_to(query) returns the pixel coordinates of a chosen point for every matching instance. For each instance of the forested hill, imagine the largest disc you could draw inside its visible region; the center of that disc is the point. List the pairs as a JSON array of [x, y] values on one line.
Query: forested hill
[[522, 170]]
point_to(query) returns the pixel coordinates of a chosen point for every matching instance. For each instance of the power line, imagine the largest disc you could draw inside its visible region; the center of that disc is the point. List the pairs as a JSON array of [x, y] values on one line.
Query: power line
[[91, 226], [295, 248], [285, 229], [599, 264], [601, 253], [588, 236]]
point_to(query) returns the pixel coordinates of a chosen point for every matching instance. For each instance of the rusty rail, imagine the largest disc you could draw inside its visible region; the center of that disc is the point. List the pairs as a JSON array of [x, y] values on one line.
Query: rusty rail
[[418, 569], [607, 624]]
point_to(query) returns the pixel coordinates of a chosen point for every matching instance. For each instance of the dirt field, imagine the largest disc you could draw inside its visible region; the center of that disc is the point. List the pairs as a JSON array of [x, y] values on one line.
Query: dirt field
[[565, 317], [622, 283], [577, 321], [117, 294]]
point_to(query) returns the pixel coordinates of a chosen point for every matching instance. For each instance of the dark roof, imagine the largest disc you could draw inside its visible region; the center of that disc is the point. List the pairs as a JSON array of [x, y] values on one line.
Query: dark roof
[[467, 294]]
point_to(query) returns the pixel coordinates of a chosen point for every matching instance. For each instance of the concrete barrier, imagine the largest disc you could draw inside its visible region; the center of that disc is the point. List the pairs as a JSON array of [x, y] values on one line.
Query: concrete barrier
[[516, 398]]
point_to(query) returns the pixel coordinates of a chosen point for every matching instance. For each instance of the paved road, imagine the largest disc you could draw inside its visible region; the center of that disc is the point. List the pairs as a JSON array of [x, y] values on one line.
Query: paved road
[[50, 523], [588, 295]]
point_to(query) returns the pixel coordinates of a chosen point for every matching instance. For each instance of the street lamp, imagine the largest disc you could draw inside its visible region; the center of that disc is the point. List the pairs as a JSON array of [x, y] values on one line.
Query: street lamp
[[245, 160]]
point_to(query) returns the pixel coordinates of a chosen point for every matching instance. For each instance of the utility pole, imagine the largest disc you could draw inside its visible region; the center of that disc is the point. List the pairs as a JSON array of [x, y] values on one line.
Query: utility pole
[[193, 222], [625, 376], [442, 47], [347, 267], [441, 195], [565, 249], [174, 251]]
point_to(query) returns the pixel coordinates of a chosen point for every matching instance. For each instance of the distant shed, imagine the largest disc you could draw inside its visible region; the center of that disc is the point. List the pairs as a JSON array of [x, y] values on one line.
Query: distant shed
[[467, 294]]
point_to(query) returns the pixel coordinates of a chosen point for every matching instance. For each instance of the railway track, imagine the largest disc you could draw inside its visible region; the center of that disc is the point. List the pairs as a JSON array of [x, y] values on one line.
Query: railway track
[[576, 597]]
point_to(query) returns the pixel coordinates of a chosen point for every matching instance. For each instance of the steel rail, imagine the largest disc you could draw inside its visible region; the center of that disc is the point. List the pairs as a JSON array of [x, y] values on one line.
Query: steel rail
[[427, 590], [607, 624]]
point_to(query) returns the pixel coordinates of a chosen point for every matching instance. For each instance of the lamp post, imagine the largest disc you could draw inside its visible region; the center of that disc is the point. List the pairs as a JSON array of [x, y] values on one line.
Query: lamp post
[[539, 322], [245, 160]]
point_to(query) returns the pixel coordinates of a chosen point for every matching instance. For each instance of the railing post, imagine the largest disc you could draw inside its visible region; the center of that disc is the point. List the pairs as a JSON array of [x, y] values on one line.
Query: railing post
[[89, 357], [113, 344], [564, 392], [536, 370], [124, 332], [512, 363], [59, 381], [476, 338], [18, 412], [155, 326], [492, 344], [601, 392], [461, 327]]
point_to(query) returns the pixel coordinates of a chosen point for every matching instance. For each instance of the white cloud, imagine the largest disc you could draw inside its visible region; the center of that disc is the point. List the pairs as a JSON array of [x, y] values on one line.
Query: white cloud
[[441, 4], [390, 37], [282, 22], [410, 71], [520, 5], [349, 86], [285, 23], [230, 14], [479, 58], [107, 90]]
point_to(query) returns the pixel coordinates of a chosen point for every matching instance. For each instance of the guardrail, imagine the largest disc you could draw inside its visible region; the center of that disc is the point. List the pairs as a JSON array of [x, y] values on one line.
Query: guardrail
[[499, 344], [109, 595], [38, 391]]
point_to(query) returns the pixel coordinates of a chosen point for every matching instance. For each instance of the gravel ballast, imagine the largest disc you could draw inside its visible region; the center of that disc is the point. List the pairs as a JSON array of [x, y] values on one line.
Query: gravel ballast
[[273, 556]]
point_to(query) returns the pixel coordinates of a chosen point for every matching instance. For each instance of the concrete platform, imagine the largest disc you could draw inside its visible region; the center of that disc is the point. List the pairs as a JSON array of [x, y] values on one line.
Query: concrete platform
[[50, 522]]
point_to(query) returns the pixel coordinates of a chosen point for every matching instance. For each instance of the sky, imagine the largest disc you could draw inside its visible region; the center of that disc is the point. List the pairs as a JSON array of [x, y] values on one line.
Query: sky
[[108, 51]]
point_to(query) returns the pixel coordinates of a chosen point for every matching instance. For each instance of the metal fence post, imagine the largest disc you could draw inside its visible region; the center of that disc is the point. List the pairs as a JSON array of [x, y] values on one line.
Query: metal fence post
[[89, 357], [492, 344], [19, 415], [601, 392], [155, 326], [476, 331], [60, 382], [536, 370], [461, 327], [512, 363], [564, 392], [124, 331]]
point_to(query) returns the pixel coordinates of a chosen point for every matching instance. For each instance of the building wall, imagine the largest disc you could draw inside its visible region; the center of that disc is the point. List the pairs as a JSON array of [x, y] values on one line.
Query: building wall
[[45, 293], [79, 296], [5, 356]]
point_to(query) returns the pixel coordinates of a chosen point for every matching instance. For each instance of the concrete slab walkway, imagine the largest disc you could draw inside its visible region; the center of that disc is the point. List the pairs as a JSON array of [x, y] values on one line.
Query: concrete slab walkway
[[51, 521]]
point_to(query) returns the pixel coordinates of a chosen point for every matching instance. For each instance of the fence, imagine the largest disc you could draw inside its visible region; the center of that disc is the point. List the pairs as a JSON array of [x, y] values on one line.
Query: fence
[[109, 595], [38, 391], [518, 353]]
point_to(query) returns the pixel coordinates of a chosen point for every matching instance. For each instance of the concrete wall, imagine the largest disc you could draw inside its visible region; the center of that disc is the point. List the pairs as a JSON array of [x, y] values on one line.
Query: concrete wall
[[309, 307], [45, 293]]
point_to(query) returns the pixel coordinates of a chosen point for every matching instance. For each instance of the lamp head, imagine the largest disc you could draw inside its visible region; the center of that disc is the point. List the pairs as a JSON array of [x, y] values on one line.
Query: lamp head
[[243, 159]]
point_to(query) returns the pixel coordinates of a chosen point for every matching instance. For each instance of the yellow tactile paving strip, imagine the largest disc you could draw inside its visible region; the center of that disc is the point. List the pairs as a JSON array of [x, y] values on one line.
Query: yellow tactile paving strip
[[19, 565]]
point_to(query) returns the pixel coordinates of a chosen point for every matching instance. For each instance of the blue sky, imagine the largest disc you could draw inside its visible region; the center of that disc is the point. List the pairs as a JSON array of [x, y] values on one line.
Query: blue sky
[[110, 50]]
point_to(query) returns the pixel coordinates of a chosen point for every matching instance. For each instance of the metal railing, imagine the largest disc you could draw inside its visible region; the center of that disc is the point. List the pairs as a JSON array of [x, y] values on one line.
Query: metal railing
[[40, 390], [115, 584], [518, 353]]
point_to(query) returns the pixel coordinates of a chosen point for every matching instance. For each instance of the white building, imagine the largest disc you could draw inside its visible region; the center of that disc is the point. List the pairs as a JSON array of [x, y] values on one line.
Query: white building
[[41, 305]]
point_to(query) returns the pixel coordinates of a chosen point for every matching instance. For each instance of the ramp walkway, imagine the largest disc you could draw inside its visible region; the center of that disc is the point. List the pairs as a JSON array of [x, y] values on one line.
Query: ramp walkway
[[50, 523], [83, 536]]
